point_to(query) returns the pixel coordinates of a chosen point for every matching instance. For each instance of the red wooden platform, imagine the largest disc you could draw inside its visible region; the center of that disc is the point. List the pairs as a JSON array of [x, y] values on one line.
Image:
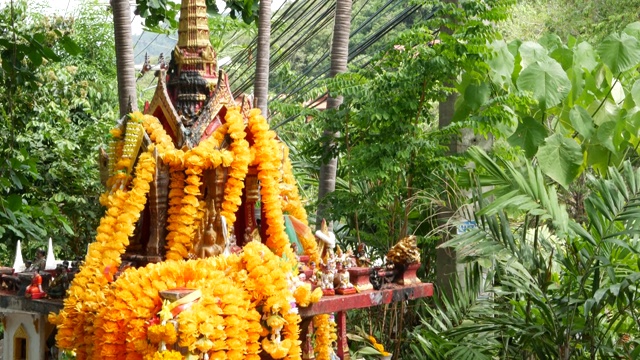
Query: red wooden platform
[[339, 304]]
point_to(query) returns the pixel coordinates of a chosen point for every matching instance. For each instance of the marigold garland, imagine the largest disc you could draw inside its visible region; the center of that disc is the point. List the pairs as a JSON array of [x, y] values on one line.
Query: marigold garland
[[110, 320], [85, 295], [325, 330], [239, 166], [266, 146]]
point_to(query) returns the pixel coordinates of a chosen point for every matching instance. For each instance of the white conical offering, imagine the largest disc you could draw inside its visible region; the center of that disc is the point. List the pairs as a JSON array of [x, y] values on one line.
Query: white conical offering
[[18, 264], [51, 259]]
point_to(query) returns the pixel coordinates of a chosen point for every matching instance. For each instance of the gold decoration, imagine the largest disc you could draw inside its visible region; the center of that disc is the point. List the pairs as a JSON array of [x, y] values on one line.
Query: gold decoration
[[405, 251]]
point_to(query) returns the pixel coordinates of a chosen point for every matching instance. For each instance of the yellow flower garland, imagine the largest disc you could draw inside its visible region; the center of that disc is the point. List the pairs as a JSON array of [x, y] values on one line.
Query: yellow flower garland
[[325, 335], [89, 285], [113, 315], [239, 166], [266, 147]]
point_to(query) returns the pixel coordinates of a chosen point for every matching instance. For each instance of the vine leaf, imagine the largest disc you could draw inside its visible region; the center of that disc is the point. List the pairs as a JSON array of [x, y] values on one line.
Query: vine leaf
[[560, 158], [546, 80]]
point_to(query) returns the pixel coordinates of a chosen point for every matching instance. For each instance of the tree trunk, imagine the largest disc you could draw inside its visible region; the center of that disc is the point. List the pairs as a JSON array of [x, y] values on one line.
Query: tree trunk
[[339, 58], [446, 259], [261, 85], [124, 56]]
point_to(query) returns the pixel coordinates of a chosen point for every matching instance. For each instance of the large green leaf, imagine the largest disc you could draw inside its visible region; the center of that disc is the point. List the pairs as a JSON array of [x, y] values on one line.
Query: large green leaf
[[584, 56], [560, 158], [635, 92], [476, 95], [500, 62], [605, 135], [547, 81], [620, 52], [530, 52], [529, 135], [581, 121], [633, 29]]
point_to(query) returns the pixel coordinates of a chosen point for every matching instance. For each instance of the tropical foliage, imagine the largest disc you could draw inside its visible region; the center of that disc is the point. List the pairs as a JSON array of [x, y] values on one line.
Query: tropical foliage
[[541, 285], [393, 156], [54, 117], [574, 105]]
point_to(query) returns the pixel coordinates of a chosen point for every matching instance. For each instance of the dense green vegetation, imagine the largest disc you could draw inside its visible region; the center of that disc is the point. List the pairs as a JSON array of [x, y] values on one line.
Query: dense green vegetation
[[57, 94], [553, 267]]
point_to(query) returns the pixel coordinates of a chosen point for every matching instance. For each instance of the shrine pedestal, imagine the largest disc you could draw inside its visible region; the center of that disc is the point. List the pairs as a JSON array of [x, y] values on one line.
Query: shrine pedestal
[[341, 304], [359, 277], [407, 274]]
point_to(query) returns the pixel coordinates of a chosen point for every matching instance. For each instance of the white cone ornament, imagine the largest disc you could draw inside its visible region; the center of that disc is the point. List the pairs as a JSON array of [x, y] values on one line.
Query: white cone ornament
[[51, 259], [18, 264]]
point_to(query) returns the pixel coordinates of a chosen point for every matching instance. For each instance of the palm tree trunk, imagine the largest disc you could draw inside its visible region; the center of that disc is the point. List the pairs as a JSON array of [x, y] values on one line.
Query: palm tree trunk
[[261, 85], [124, 56], [339, 58]]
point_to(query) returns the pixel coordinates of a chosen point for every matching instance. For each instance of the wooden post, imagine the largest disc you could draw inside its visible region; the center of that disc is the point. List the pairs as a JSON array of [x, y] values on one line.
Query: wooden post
[[343, 347], [306, 333]]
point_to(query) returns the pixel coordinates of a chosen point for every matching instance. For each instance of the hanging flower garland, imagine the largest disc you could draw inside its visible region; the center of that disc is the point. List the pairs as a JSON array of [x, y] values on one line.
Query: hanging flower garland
[[86, 293], [239, 166], [268, 285], [266, 149], [175, 250], [325, 331]]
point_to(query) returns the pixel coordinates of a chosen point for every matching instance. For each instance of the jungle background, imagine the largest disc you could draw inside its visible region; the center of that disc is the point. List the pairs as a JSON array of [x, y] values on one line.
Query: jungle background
[[549, 89]]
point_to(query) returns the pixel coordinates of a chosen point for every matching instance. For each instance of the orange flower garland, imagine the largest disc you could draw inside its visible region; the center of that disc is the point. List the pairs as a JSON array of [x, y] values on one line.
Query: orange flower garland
[[110, 320], [175, 250], [266, 147], [325, 335], [239, 166], [86, 294]]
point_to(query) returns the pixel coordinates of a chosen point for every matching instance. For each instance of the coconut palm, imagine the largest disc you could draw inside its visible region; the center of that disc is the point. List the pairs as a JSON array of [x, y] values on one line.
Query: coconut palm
[[124, 56], [339, 58], [261, 85]]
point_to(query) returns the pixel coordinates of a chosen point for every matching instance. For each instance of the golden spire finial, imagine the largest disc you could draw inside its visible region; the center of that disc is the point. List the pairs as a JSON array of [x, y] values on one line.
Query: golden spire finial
[[193, 31]]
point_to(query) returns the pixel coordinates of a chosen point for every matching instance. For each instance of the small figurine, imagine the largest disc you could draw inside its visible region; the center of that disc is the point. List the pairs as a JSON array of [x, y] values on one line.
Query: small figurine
[[344, 286], [340, 256], [232, 245], [362, 260], [327, 241], [39, 263], [34, 290], [350, 258], [59, 284], [326, 281], [313, 279]]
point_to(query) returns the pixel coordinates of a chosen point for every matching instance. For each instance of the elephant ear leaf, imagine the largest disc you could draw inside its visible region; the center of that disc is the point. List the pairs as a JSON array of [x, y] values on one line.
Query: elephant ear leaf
[[560, 158], [620, 52], [529, 135], [547, 81]]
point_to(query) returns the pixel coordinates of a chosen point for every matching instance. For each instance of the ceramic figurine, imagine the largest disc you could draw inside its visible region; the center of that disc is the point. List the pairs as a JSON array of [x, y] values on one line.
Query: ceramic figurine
[[326, 281], [344, 286]]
